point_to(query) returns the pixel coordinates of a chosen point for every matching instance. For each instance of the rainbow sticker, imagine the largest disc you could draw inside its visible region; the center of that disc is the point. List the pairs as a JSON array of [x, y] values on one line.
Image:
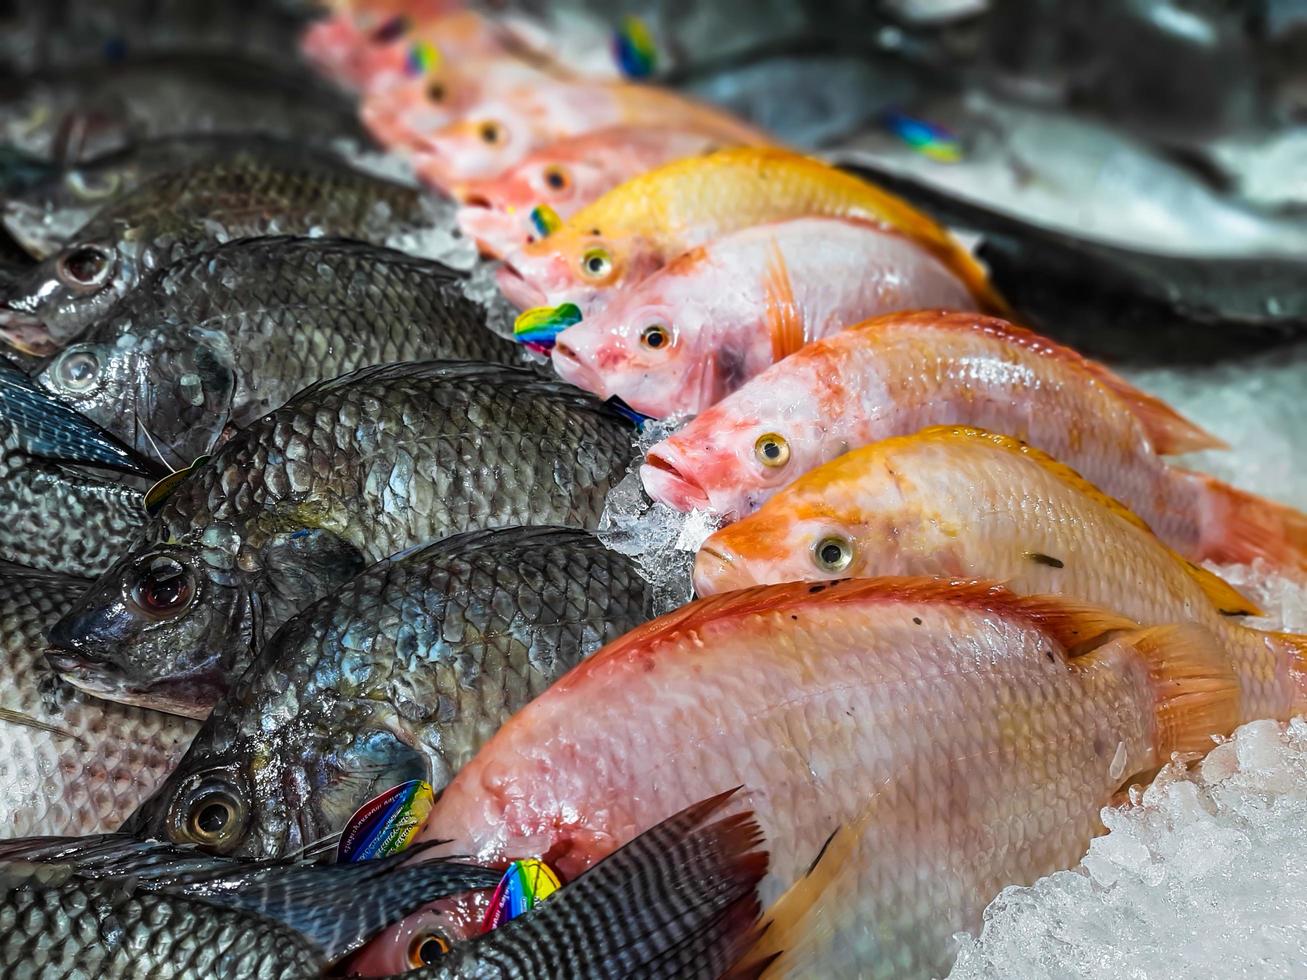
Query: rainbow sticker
[[525, 885], [423, 57], [929, 140], [539, 326], [386, 824], [633, 47], [545, 219]]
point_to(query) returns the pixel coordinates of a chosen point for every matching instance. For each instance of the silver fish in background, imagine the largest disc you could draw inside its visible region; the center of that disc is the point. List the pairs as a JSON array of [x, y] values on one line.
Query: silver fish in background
[[401, 674], [69, 763], [253, 192], [105, 906], [224, 336], [346, 473]]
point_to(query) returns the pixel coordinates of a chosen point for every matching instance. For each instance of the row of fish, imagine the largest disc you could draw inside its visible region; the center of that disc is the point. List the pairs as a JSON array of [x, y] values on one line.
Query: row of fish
[[307, 542]]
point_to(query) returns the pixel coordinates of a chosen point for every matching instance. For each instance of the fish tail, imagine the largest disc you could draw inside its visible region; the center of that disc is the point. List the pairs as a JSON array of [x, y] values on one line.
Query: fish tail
[[1239, 527], [680, 900], [1195, 691]]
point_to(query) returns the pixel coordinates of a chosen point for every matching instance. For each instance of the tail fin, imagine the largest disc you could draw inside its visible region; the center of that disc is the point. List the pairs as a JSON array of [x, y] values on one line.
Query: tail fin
[[1239, 527], [681, 900], [1195, 691]]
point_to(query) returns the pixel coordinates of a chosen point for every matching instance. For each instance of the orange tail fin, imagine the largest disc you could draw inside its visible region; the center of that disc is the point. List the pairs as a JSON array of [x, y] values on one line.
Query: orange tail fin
[[1240, 527]]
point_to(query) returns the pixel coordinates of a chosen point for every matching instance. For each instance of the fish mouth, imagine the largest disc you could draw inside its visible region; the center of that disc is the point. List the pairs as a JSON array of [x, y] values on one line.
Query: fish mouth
[[26, 332], [665, 483], [490, 229], [569, 366], [190, 696], [717, 571], [518, 290]]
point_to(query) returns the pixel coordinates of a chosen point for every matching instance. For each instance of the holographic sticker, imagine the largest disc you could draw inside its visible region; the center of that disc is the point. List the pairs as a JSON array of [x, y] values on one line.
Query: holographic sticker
[[386, 824], [525, 885], [545, 220], [422, 57], [539, 326], [633, 47], [928, 139]]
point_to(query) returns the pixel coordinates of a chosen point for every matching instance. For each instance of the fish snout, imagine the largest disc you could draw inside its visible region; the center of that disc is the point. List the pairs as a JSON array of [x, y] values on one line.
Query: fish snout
[[84, 670], [518, 289], [497, 234], [26, 332], [718, 569], [669, 484], [572, 368]]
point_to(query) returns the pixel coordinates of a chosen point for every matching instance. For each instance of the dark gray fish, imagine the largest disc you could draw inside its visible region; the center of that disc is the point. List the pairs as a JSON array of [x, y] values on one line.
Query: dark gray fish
[[69, 763], [258, 191], [227, 920], [224, 336], [678, 902], [337, 907], [78, 111], [401, 674], [346, 473]]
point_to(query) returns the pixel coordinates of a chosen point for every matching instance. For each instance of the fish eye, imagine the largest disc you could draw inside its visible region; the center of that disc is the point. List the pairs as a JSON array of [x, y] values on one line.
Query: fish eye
[[596, 263], [162, 587], [491, 132], [655, 336], [772, 450], [556, 178], [212, 816], [84, 267], [89, 187], [77, 370], [436, 91], [833, 553], [426, 948]]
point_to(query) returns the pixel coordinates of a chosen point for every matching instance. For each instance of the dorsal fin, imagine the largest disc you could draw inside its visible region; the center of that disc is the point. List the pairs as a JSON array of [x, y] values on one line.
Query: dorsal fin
[[1169, 431]]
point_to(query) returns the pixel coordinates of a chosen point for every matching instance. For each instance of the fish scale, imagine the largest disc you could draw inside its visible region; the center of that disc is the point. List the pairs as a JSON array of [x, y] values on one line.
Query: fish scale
[[436, 648]]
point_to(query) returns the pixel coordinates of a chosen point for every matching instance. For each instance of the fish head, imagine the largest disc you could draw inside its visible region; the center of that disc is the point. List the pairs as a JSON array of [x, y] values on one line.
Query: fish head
[[97, 379], [422, 939], [42, 219], [402, 115], [742, 449], [490, 137], [63, 294], [161, 628], [646, 347], [585, 267]]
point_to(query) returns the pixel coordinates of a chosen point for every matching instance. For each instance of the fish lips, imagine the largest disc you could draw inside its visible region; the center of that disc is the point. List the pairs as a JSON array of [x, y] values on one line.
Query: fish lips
[[26, 332], [496, 233], [189, 695], [519, 291], [667, 484]]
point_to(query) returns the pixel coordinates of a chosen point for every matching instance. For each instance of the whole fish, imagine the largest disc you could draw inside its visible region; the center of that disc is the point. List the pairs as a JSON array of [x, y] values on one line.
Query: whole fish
[[637, 228], [509, 211], [71, 112], [136, 910], [680, 900], [346, 473], [967, 503], [971, 735], [499, 131], [222, 337], [70, 763], [711, 319], [168, 217], [899, 373], [458, 635], [44, 215]]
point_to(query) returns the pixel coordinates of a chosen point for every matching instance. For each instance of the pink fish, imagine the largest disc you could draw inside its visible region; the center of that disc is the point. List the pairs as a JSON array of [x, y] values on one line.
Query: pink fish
[[565, 176], [351, 44], [968, 737], [703, 325], [897, 374]]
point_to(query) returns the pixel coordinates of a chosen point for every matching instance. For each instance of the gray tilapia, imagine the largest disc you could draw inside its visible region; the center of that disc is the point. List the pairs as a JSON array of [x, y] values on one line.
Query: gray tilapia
[[147, 910], [346, 473], [224, 336], [69, 763], [401, 674], [252, 192]]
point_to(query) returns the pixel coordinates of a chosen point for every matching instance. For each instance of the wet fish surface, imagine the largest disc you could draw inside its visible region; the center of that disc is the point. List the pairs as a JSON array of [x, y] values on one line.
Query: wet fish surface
[[348, 472]]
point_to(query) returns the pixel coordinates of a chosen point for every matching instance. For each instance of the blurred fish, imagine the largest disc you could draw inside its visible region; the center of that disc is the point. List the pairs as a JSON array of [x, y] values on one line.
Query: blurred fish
[[71, 112], [896, 374], [69, 763], [967, 503], [879, 703], [714, 317], [680, 900], [346, 473], [638, 227], [174, 914], [500, 130], [254, 192], [224, 336], [458, 636], [506, 212], [21, 171]]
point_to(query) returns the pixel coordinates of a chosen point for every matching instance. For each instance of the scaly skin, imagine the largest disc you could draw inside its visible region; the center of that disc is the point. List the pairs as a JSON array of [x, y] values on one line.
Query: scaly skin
[[225, 336], [434, 651], [346, 473], [947, 723], [736, 305], [112, 756], [257, 192], [968, 504]]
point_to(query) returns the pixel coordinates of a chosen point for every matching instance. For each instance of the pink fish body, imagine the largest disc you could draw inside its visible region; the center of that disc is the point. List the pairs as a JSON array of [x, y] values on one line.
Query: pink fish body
[[352, 45], [703, 325], [971, 736]]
